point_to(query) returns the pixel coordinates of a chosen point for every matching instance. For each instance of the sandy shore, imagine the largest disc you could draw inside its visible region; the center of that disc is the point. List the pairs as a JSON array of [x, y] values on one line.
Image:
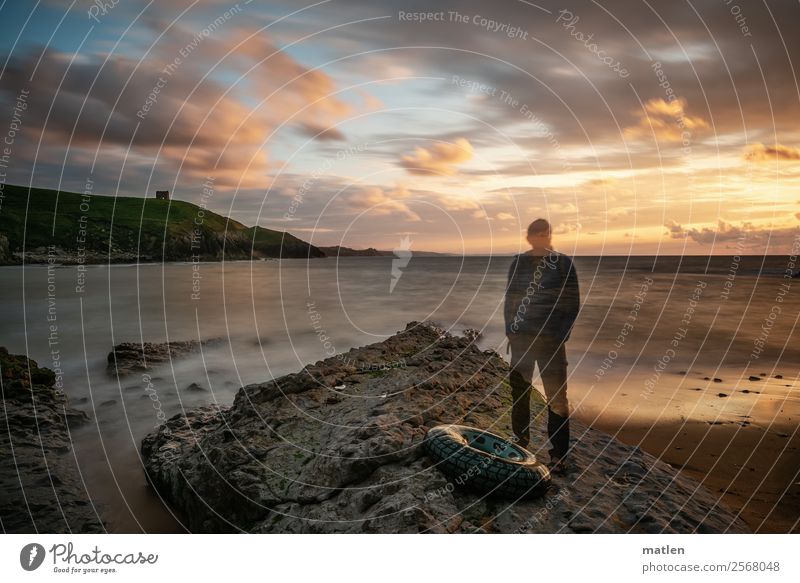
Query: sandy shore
[[742, 443]]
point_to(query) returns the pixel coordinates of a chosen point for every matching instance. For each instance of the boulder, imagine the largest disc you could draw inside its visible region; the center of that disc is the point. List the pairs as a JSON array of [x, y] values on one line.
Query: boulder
[[337, 447], [40, 483]]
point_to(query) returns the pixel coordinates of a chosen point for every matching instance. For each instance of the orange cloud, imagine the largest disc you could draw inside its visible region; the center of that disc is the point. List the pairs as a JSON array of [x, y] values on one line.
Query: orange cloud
[[761, 153], [194, 118], [440, 159], [745, 234], [567, 228], [377, 201], [666, 120], [286, 83]]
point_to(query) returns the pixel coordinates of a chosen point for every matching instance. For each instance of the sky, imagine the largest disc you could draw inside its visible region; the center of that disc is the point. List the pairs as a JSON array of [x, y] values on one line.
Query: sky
[[634, 127]]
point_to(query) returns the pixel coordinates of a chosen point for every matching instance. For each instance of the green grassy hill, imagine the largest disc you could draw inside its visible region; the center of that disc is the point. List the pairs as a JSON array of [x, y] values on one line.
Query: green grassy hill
[[142, 229]]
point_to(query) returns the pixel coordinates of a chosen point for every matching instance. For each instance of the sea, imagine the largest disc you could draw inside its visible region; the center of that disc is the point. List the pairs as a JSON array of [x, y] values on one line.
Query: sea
[[650, 330]]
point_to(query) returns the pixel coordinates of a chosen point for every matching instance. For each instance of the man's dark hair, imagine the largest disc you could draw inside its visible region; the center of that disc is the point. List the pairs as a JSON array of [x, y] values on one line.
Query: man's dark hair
[[538, 227]]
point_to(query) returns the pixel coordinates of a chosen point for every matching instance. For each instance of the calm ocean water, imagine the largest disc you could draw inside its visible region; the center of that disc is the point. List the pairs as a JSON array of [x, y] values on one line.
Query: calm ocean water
[[643, 323]]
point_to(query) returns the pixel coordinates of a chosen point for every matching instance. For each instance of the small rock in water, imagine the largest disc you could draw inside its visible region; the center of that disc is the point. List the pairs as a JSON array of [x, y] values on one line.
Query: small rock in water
[[778, 376], [754, 378], [108, 403], [716, 380], [722, 394], [194, 387], [763, 374], [75, 417], [706, 378], [130, 357]]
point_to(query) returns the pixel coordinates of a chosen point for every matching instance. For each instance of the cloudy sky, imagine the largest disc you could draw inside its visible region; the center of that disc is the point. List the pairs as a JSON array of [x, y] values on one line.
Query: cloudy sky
[[633, 126]]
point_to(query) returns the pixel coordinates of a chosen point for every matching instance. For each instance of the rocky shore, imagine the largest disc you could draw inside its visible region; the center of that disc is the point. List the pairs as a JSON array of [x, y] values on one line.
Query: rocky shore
[[41, 487], [59, 256], [337, 447]]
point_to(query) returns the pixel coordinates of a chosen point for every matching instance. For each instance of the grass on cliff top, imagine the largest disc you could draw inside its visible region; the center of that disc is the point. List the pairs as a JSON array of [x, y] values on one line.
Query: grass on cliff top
[[127, 211], [53, 218]]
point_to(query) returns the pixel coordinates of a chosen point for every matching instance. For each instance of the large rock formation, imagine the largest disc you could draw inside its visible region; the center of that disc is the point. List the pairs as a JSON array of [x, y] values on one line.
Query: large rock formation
[[337, 448], [40, 484]]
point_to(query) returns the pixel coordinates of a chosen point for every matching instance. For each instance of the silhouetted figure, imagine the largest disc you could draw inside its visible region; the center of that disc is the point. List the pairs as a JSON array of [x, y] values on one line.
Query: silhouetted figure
[[541, 304]]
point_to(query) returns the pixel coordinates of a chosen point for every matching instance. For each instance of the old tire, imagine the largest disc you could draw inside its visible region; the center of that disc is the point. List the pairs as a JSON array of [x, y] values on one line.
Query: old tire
[[485, 462]]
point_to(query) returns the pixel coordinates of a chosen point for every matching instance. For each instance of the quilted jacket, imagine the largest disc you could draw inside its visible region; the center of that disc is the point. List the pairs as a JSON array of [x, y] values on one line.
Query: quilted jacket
[[542, 295]]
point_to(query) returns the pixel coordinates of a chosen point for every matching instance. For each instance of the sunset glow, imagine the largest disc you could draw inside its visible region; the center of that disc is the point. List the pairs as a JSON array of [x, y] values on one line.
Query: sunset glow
[[633, 128]]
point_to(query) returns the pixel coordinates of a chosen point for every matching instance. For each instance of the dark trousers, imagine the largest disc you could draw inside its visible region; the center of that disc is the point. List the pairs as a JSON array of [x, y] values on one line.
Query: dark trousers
[[550, 355]]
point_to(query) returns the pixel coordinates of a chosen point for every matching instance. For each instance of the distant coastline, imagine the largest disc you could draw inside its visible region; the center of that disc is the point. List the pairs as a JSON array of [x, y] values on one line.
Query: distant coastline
[[68, 228]]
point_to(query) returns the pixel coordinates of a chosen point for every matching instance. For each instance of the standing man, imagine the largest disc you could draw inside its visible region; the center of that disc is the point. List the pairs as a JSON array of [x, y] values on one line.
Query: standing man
[[541, 303]]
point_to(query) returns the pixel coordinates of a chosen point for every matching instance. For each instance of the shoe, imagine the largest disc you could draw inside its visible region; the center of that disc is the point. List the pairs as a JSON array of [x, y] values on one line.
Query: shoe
[[558, 434]]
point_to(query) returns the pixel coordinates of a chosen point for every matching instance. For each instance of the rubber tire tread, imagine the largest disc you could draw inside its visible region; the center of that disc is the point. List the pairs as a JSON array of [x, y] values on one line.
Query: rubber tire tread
[[483, 472]]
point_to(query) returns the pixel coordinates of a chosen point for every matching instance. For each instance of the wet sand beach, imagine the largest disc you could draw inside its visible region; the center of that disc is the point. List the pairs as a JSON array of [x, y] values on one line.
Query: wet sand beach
[[742, 444]]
